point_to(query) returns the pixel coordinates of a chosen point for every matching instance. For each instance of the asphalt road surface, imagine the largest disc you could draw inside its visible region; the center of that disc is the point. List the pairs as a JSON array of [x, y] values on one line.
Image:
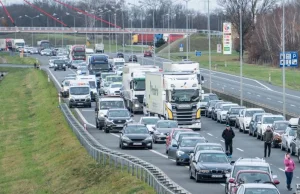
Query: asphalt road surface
[[244, 146], [258, 91]]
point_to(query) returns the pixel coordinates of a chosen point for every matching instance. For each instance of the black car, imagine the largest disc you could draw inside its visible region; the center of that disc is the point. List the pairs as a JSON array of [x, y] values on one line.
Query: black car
[[59, 64], [135, 135], [115, 119], [210, 165], [133, 58], [120, 55], [231, 115], [181, 152]]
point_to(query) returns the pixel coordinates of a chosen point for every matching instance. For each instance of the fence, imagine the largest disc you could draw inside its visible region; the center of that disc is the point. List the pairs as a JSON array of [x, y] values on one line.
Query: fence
[[144, 171], [248, 103]]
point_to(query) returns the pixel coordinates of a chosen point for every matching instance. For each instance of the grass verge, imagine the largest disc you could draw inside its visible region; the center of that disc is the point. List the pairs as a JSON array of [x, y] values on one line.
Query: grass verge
[[254, 71], [16, 59], [38, 151]]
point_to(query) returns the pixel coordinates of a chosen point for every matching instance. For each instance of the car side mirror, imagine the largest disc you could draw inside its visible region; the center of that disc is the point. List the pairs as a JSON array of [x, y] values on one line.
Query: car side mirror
[[131, 115], [232, 162], [151, 132], [231, 180], [276, 182], [192, 151], [105, 116]]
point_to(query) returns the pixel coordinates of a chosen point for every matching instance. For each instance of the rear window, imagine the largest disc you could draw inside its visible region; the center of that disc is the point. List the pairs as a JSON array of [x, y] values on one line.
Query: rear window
[[238, 168]]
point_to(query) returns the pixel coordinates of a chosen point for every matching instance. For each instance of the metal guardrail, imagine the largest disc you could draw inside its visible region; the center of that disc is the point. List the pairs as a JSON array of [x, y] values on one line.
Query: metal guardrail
[[248, 103], [98, 30], [144, 171]]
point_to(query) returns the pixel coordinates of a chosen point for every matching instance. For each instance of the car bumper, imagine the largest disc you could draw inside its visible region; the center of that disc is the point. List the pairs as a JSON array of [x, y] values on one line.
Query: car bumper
[[114, 127], [74, 103], [183, 159], [142, 144], [210, 176], [191, 126]]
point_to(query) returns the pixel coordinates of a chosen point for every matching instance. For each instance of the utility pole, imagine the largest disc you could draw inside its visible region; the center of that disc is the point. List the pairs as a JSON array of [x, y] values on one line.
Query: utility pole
[[209, 45], [169, 41], [241, 56], [283, 51], [187, 34]]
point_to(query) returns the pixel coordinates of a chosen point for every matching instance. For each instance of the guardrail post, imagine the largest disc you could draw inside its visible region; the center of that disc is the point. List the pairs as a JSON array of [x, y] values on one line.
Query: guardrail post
[[48, 78], [269, 78], [84, 126], [129, 167], [132, 169], [59, 99]]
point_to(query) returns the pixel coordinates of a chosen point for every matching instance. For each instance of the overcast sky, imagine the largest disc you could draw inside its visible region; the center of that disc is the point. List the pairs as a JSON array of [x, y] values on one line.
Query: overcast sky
[[200, 5]]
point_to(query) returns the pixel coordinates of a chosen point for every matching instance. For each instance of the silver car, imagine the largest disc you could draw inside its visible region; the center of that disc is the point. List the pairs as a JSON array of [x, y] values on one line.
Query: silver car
[[162, 129]]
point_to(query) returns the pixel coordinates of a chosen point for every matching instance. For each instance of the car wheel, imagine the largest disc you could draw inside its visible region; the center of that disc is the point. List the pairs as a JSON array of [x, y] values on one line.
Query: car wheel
[[70, 106], [106, 130], [97, 125], [235, 125], [150, 148], [196, 178], [257, 135], [54, 69], [261, 137], [121, 146], [244, 129], [177, 163], [299, 156]]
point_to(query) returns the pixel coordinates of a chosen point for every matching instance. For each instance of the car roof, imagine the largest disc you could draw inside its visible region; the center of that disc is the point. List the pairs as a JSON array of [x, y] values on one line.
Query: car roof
[[211, 144], [161, 121], [187, 132], [116, 83], [193, 138], [259, 185], [249, 109], [252, 171], [134, 124], [210, 151], [272, 116], [251, 162], [117, 109], [110, 99], [149, 118]]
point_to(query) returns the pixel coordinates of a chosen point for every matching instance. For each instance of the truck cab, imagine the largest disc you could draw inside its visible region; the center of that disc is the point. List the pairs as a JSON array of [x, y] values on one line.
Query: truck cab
[[79, 94], [91, 79]]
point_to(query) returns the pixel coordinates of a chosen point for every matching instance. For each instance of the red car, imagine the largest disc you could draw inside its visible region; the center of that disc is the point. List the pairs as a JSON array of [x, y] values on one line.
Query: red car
[[250, 176], [147, 54], [172, 135]]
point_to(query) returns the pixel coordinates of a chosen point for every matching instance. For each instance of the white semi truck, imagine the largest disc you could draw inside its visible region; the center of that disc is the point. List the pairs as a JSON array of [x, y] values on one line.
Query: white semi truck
[[174, 96], [99, 48], [18, 44], [134, 85]]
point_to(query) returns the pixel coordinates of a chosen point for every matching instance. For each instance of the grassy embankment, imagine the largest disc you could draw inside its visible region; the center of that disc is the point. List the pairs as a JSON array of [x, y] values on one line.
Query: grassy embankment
[[38, 151], [218, 61], [6, 58]]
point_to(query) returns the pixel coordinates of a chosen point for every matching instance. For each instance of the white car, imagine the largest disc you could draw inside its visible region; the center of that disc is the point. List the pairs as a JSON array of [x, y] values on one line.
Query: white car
[[114, 89], [257, 188], [105, 87], [65, 86], [222, 113], [266, 120], [245, 118], [119, 70], [150, 122], [288, 138], [82, 70]]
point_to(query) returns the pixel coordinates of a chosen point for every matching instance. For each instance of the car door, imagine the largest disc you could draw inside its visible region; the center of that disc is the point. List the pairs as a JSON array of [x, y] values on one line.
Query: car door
[[285, 137], [172, 149], [238, 117], [193, 163]]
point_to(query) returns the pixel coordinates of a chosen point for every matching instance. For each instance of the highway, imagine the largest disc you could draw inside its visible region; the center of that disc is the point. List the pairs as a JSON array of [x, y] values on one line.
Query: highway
[[244, 146], [257, 91]]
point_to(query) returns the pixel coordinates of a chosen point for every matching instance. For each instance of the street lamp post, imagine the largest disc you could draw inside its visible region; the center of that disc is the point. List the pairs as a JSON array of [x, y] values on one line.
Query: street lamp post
[[283, 52], [115, 14], [131, 34], [187, 34], [153, 37], [32, 26], [74, 24], [169, 41], [241, 56], [209, 45]]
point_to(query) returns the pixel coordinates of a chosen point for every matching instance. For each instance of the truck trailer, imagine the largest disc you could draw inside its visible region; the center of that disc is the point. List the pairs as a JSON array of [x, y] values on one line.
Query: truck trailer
[[174, 96], [134, 85]]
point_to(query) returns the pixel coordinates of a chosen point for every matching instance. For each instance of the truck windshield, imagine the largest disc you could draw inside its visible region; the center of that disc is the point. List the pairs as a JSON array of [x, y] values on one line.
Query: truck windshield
[[79, 90], [139, 85], [114, 79], [101, 66], [20, 44], [189, 95], [79, 53], [119, 63], [104, 75], [45, 45], [92, 84]]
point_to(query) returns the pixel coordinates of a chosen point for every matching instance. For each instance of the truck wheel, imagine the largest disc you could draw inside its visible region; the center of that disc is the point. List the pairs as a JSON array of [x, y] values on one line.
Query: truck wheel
[[54, 69]]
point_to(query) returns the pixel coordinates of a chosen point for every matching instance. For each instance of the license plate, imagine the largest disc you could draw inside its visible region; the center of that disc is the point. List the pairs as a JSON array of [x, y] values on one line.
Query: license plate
[[137, 143], [119, 125], [216, 176], [80, 103]]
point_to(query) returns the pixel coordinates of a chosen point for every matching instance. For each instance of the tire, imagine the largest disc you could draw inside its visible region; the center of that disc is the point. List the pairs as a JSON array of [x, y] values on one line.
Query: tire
[[97, 125], [250, 134], [64, 69], [235, 125], [70, 106], [54, 69], [196, 178], [244, 129], [121, 146], [261, 137], [257, 135], [292, 153], [299, 156], [177, 163], [106, 130], [150, 148]]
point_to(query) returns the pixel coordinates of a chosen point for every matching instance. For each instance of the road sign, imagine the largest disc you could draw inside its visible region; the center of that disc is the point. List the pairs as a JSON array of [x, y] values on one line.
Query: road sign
[[219, 48], [291, 59], [198, 53], [181, 47]]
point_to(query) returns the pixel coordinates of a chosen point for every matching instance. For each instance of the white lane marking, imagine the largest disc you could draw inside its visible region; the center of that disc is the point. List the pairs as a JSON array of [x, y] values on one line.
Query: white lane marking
[[240, 149], [87, 110], [249, 92], [222, 184], [222, 140], [115, 135], [258, 95], [263, 85], [269, 98], [281, 169], [292, 105], [257, 157], [280, 102], [156, 152], [232, 88], [209, 134]]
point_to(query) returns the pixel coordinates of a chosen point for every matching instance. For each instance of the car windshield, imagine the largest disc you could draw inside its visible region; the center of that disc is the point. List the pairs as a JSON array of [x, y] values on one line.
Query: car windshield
[[111, 104], [226, 108], [250, 113], [238, 168], [67, 83], [280, 126], [118, 113], [205, 99], [188, 135], [188, 95], [213, 97], [261, 191], [119, 63], [149, 121], [177, 131], [253, 177], [114, 79], [270, 120], [82, 68], [106, 84], [116, 85], [59, 62], [79, 90], [139, 84], [167, 124], [190, 142], [212, 103], [213, 158], [136, 130], [209, 147], [92, 84], [104, 75], [53, 58], [235, 110], [77, 61]]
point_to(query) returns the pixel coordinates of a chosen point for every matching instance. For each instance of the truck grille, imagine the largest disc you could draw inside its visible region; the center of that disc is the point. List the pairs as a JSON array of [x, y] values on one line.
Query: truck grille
[[185, 116], [217, 171], [79, 100]]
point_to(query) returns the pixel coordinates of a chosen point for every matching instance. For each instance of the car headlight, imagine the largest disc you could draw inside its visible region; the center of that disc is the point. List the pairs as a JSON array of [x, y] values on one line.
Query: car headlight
[[64, 65], [72, 100], [179, 153], [149, 138], [55, 65], [203, 171], [125, 138]]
